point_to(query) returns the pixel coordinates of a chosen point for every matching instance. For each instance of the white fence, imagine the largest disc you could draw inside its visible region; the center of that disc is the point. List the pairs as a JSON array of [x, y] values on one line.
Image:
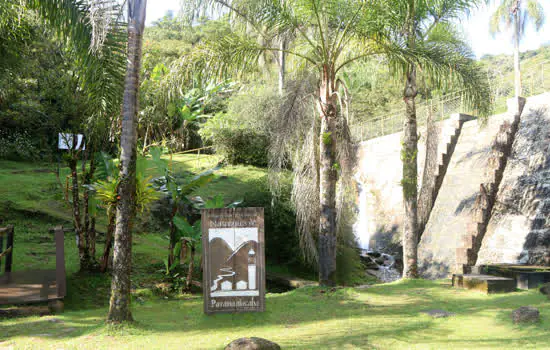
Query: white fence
[[535, 81]]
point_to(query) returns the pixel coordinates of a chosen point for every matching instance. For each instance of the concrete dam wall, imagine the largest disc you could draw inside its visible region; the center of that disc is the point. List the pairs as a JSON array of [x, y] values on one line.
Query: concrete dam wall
[[518, 220]]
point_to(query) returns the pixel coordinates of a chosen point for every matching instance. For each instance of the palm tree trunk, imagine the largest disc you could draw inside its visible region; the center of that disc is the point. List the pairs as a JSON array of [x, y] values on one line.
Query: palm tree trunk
[[327, 181], [410, 179], [119, 308], [282, 67], [517, 69]]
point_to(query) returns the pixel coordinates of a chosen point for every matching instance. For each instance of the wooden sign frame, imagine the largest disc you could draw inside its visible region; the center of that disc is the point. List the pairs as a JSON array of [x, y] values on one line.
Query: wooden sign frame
[[233, 248]]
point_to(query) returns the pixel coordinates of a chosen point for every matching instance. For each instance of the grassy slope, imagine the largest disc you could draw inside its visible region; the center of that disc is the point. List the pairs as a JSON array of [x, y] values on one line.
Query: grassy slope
[[31, 199], [382, 317]]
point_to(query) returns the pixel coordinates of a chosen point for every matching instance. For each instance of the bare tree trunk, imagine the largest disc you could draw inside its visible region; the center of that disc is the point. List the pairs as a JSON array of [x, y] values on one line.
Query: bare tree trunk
[[282, 67], [410, 179], [172, 244], [93, 237], [327, 180], [517, 69], [77, 219], [89, 263], [119, 308], [191, 267], [108, 241]]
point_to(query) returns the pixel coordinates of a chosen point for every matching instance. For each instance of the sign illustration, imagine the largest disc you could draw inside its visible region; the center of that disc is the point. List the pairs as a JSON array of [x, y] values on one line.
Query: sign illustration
[[71, 141], [233, 247]]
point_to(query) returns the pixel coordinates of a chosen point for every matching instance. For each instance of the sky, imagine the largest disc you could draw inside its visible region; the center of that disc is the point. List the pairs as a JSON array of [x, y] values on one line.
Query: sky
[[476, 28]]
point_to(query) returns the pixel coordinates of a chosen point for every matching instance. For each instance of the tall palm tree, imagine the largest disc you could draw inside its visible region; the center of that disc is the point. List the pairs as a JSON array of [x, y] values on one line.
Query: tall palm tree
[[98, 44], [330, 35], [516, 14], [428, 28], [100, 61], [119, 309], [238, 7]]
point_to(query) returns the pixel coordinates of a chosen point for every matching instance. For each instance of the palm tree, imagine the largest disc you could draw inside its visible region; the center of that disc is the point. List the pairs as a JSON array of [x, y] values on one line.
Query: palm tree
[[119, 309], [330, 35], [93, 28], [97, 45], [512, 14], [446, 61]]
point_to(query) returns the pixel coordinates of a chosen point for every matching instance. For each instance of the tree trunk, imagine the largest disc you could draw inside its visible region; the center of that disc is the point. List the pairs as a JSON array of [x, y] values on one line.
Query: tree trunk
[[517, 70], [77, 219], [410, 179], [108, 241], [93, 237], [89, 264], [327, 180], [191, 267], [172, 244], [282, 67], [119, 308]]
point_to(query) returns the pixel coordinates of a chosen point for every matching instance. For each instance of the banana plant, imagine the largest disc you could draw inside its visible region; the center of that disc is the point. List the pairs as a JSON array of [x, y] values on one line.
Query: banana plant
[[215, 202], [190, 235], [179, 194]]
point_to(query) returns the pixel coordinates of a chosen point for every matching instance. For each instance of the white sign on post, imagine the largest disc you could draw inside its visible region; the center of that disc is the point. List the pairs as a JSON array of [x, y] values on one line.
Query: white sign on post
[[68, 141]]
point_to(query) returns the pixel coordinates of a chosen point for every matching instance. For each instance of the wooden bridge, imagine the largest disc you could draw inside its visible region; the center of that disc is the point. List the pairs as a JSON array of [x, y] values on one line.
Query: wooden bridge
[[23, 287]]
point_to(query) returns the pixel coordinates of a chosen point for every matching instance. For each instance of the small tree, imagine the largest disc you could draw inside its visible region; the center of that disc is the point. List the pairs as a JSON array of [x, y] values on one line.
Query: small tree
[[512, 14]]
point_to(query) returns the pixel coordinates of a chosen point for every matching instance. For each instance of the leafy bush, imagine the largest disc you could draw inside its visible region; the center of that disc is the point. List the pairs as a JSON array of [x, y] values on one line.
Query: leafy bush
[[282, 245], [242, 146], [241, 134], [17, 146]]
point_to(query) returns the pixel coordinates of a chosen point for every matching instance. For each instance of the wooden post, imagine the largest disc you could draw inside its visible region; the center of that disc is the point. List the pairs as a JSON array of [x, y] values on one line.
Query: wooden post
[[1, 248], [60, 262], [9, 245]]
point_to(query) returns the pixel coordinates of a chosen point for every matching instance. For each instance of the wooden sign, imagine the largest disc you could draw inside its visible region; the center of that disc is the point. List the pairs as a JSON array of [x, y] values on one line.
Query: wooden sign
[[71, 141], [234, 260]]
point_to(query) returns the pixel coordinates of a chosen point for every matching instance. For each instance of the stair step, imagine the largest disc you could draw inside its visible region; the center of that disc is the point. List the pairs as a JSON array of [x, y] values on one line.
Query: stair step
[[484, 283]]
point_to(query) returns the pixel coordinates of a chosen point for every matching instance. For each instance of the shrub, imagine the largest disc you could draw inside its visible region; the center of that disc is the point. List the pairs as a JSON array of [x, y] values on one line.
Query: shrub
[[17, 146], [241, 134], [281, 238], [242, 146]]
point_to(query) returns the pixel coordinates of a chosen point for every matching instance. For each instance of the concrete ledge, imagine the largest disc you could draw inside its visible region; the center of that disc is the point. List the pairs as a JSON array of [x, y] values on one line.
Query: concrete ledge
[[515, 105], [484, 283], [462, 117]]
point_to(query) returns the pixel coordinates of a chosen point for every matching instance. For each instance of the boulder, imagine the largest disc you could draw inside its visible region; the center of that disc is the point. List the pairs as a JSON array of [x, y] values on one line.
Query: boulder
[[545, 289], [526, 314], [252, 344], [436, 313]]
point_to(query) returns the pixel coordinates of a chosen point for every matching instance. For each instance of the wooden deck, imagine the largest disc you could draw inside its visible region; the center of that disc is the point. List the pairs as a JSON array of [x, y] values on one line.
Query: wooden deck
[[22, 287], [28, 286]]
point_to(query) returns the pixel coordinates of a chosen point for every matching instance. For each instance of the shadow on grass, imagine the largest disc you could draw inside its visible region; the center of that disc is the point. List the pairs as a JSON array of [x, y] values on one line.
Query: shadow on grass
[[391, 311]]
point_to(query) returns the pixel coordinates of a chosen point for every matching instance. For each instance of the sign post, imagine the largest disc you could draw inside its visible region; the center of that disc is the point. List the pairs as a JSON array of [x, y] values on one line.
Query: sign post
[[234, 260]]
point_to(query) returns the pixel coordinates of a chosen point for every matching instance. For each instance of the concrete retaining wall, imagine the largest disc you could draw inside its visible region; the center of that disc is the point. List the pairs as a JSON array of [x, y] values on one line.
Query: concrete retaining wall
[[519, 228]]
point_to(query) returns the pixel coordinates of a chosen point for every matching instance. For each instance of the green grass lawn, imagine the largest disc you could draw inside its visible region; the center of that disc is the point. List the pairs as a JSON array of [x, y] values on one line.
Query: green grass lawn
[[32, 199], [380, 317]]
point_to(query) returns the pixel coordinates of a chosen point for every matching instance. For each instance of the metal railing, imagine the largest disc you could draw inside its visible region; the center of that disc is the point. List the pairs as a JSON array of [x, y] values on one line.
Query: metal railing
[[534, 81]]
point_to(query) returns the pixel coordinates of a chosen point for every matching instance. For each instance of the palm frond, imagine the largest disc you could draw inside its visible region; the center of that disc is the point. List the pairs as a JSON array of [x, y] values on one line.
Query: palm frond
[[100, 53]]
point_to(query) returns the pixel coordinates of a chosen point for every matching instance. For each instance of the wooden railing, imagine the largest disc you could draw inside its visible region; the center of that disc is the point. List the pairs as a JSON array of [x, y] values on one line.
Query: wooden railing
[[7, 253]]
